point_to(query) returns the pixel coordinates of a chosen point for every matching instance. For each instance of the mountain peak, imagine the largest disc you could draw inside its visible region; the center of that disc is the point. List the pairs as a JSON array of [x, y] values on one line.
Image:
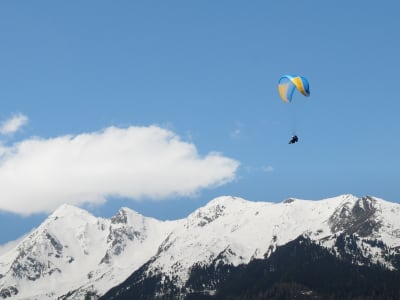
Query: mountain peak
[[124, 214], [289, 200], [128, 210], [226, 200], [349, 197], [67, 210]]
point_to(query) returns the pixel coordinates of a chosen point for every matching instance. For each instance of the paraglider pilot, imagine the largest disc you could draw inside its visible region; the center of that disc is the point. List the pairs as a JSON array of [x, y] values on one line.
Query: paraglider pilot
[[294, 139]]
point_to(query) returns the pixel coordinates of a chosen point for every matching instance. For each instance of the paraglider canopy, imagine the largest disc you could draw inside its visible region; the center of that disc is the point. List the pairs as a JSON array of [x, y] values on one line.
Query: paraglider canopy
[[287, 85]]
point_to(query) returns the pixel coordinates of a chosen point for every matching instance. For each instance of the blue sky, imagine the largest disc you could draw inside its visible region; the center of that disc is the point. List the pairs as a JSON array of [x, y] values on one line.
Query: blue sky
[[205, 72]]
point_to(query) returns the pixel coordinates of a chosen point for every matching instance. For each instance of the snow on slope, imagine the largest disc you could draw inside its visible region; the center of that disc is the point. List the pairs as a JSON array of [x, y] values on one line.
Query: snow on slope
[[234, 231], [72, 247], [390, 218], [73, 252], [241, 230]]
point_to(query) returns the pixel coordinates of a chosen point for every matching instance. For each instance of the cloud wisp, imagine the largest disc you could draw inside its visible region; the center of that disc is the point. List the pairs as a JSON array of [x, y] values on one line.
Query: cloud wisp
[[13, 124], [38, 175], [237, 132], [267, 169]]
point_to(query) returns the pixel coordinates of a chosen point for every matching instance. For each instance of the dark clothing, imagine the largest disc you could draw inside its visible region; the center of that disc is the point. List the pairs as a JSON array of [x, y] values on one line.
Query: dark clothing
[[294, 139]]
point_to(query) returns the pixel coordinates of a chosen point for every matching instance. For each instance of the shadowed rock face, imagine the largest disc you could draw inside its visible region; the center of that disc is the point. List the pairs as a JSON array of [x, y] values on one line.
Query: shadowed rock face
[[290, 200], [359, 217], [8, 292]]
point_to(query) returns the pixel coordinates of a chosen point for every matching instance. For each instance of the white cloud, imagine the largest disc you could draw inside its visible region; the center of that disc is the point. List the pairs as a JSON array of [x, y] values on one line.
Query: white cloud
[[14, 124], [38, 175]]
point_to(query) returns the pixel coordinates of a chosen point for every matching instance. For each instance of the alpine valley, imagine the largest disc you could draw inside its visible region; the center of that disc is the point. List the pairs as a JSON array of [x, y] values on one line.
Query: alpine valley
[[338, 248]]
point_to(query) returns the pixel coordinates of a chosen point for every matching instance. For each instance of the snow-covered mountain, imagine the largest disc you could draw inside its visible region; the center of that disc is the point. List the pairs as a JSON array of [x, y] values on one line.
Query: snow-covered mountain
[[232, 231], [74, 254], [73, 251]]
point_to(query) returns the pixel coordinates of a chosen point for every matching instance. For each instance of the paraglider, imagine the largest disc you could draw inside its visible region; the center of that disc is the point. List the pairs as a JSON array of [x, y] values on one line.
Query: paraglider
[[294, 139], [286, 87]]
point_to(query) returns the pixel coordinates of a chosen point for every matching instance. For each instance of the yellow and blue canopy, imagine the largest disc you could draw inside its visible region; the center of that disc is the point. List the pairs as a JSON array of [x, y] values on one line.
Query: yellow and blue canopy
[[287, 85]]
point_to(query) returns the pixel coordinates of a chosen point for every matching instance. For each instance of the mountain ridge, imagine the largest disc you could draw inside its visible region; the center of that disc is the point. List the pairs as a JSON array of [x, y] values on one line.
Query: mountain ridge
[[90, 255]]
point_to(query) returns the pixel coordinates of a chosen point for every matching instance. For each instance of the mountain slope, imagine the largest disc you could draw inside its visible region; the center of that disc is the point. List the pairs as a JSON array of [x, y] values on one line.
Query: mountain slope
[[73, 249], [229, 232], [74, 255], [317, 273]]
